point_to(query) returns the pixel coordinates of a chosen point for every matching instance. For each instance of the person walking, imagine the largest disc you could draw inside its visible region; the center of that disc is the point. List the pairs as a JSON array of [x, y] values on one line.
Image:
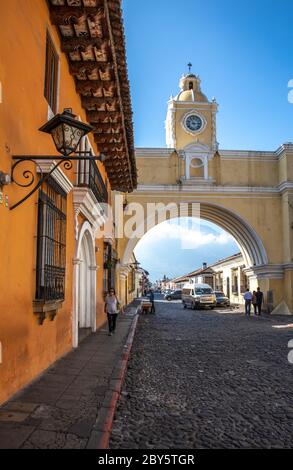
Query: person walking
[[112, 308], [259, 300], [254, 302], [248, 299], [152, 300]]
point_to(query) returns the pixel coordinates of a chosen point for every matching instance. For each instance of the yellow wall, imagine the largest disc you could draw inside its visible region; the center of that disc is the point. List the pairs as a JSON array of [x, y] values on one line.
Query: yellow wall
[[28, 348], [234, 172], [182, 137]]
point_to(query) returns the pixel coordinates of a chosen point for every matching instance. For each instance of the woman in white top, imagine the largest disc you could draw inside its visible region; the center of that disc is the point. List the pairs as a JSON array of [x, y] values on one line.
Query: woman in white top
[[112, 307]]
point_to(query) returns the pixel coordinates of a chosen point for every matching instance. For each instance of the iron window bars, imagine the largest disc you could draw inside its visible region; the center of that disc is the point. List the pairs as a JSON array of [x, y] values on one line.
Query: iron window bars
[[51, 242], [90, 176]]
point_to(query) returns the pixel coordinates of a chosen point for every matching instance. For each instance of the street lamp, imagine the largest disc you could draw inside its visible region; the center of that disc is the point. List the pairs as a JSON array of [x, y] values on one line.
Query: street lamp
[[66, 131]]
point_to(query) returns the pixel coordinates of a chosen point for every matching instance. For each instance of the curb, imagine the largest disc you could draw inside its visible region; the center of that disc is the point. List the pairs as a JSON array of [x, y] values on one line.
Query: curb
[[101, 432]]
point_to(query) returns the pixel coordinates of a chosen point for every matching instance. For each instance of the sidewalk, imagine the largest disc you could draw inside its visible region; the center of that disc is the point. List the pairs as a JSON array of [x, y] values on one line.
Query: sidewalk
[[71, 405]]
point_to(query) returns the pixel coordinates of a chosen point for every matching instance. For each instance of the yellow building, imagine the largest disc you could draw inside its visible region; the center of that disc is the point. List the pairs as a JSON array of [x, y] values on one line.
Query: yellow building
[[247, 193], [55, 264]]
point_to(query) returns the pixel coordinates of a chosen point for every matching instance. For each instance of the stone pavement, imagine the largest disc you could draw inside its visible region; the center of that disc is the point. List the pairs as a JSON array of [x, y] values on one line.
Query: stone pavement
[[60, 409], [207, 379]]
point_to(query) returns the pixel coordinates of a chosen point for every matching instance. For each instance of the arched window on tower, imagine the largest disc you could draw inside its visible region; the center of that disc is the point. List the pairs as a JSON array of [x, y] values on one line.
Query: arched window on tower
[[190, 85]]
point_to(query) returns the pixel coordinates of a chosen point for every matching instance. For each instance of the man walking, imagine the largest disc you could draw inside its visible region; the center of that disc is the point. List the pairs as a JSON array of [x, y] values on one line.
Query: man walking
[[259, 300], [248, 299], [152, 300]]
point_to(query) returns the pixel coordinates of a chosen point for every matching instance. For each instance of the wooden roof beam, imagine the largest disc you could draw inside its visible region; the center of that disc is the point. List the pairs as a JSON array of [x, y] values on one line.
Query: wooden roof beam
[[65, 15]]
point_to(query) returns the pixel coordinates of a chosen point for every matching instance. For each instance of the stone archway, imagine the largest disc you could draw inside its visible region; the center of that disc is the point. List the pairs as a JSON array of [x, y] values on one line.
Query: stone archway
[[84, 311], [258, 266]]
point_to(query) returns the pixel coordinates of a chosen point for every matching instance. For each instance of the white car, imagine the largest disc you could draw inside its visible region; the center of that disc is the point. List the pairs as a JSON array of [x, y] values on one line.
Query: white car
[[198, 296]]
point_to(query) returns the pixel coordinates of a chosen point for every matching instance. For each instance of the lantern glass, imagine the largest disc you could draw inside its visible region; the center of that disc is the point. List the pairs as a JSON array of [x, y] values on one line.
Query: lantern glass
[[66, 132], [67, 138]]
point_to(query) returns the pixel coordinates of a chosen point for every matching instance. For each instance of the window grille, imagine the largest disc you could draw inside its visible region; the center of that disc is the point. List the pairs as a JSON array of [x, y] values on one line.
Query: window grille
[[51, 242]]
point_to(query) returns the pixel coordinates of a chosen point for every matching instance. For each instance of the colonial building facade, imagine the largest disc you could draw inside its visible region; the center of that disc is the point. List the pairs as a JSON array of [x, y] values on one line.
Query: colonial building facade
[[226, 275], [56, 264]]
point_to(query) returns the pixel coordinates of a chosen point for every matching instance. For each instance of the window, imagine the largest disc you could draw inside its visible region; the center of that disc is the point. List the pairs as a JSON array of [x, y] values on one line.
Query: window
[[51, 243], [51, 74], [235, 283], [244, 281]]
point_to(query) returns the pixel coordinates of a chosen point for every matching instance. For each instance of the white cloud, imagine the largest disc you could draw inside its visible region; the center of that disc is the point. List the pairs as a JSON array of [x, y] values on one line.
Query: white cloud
[[191, 235]]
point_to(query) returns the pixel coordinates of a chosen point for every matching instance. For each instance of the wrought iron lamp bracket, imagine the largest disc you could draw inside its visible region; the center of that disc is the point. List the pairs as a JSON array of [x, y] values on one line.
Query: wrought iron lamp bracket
[[35, 159]]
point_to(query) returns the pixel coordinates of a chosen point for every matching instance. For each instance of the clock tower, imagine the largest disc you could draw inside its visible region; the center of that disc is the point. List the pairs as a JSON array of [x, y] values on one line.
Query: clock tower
[[191, 127]]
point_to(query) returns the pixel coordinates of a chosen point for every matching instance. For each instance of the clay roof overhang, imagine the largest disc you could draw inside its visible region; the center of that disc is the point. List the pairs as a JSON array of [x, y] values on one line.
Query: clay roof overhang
[[92, 36]]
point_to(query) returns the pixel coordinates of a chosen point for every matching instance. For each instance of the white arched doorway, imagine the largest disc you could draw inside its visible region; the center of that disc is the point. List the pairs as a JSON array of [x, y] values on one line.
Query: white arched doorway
[[84, 314]]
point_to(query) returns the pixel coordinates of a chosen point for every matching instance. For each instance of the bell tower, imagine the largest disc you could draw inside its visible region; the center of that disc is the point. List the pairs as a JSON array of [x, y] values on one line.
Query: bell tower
[[191, 126]]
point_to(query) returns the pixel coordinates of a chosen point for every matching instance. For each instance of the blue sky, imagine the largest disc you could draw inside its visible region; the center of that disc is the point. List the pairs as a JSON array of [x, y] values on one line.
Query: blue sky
[[243, 52]]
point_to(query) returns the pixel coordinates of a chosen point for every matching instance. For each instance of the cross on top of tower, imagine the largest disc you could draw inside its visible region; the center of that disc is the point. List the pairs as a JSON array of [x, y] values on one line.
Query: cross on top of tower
[[189, 66]]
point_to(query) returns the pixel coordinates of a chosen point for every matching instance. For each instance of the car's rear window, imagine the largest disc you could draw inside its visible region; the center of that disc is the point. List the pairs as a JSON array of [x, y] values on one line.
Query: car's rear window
[[220, 294]]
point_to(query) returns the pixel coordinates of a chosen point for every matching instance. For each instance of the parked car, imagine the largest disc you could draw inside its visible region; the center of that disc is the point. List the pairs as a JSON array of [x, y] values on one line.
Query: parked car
[[222, 299], [198, 296], [166, 291], [174, 295]]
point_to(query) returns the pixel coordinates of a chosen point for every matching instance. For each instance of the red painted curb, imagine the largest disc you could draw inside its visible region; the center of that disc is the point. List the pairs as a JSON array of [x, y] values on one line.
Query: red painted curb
[[108, 423]]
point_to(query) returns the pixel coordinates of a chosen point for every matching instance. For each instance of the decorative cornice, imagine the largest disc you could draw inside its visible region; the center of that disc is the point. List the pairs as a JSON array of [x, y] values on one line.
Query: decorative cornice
[[251, 155], [199, 104], [154, 152], [76, 261], [208, 189], [286, 147], [266, 156], [288, 266], [84, 202], [285, 186], [94, 268], [269, 271], [247, 155]]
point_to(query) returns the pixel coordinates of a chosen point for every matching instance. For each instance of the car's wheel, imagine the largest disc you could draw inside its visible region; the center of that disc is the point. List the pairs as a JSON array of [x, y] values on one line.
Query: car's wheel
[[169, 299], [193, 306], [184, 305]]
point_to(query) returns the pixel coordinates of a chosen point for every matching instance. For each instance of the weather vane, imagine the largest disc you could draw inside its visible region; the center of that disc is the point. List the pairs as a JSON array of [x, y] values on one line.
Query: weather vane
[[189, 66]]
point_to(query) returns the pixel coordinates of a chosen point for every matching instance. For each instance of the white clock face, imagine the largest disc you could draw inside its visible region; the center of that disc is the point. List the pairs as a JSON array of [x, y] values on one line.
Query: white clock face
[[194, 123]]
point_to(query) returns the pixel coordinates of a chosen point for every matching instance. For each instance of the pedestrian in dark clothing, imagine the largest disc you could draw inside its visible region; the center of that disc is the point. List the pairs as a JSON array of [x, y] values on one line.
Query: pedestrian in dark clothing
[[259, 300], [254, 302], [152, 300]]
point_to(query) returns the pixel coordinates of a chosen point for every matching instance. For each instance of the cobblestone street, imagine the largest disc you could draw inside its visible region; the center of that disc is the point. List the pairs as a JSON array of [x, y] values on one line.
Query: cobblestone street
[[207, 379]]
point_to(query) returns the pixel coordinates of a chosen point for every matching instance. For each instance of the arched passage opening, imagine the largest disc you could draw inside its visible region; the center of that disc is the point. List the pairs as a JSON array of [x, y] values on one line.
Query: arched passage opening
[[251, 261], [249, 242]]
